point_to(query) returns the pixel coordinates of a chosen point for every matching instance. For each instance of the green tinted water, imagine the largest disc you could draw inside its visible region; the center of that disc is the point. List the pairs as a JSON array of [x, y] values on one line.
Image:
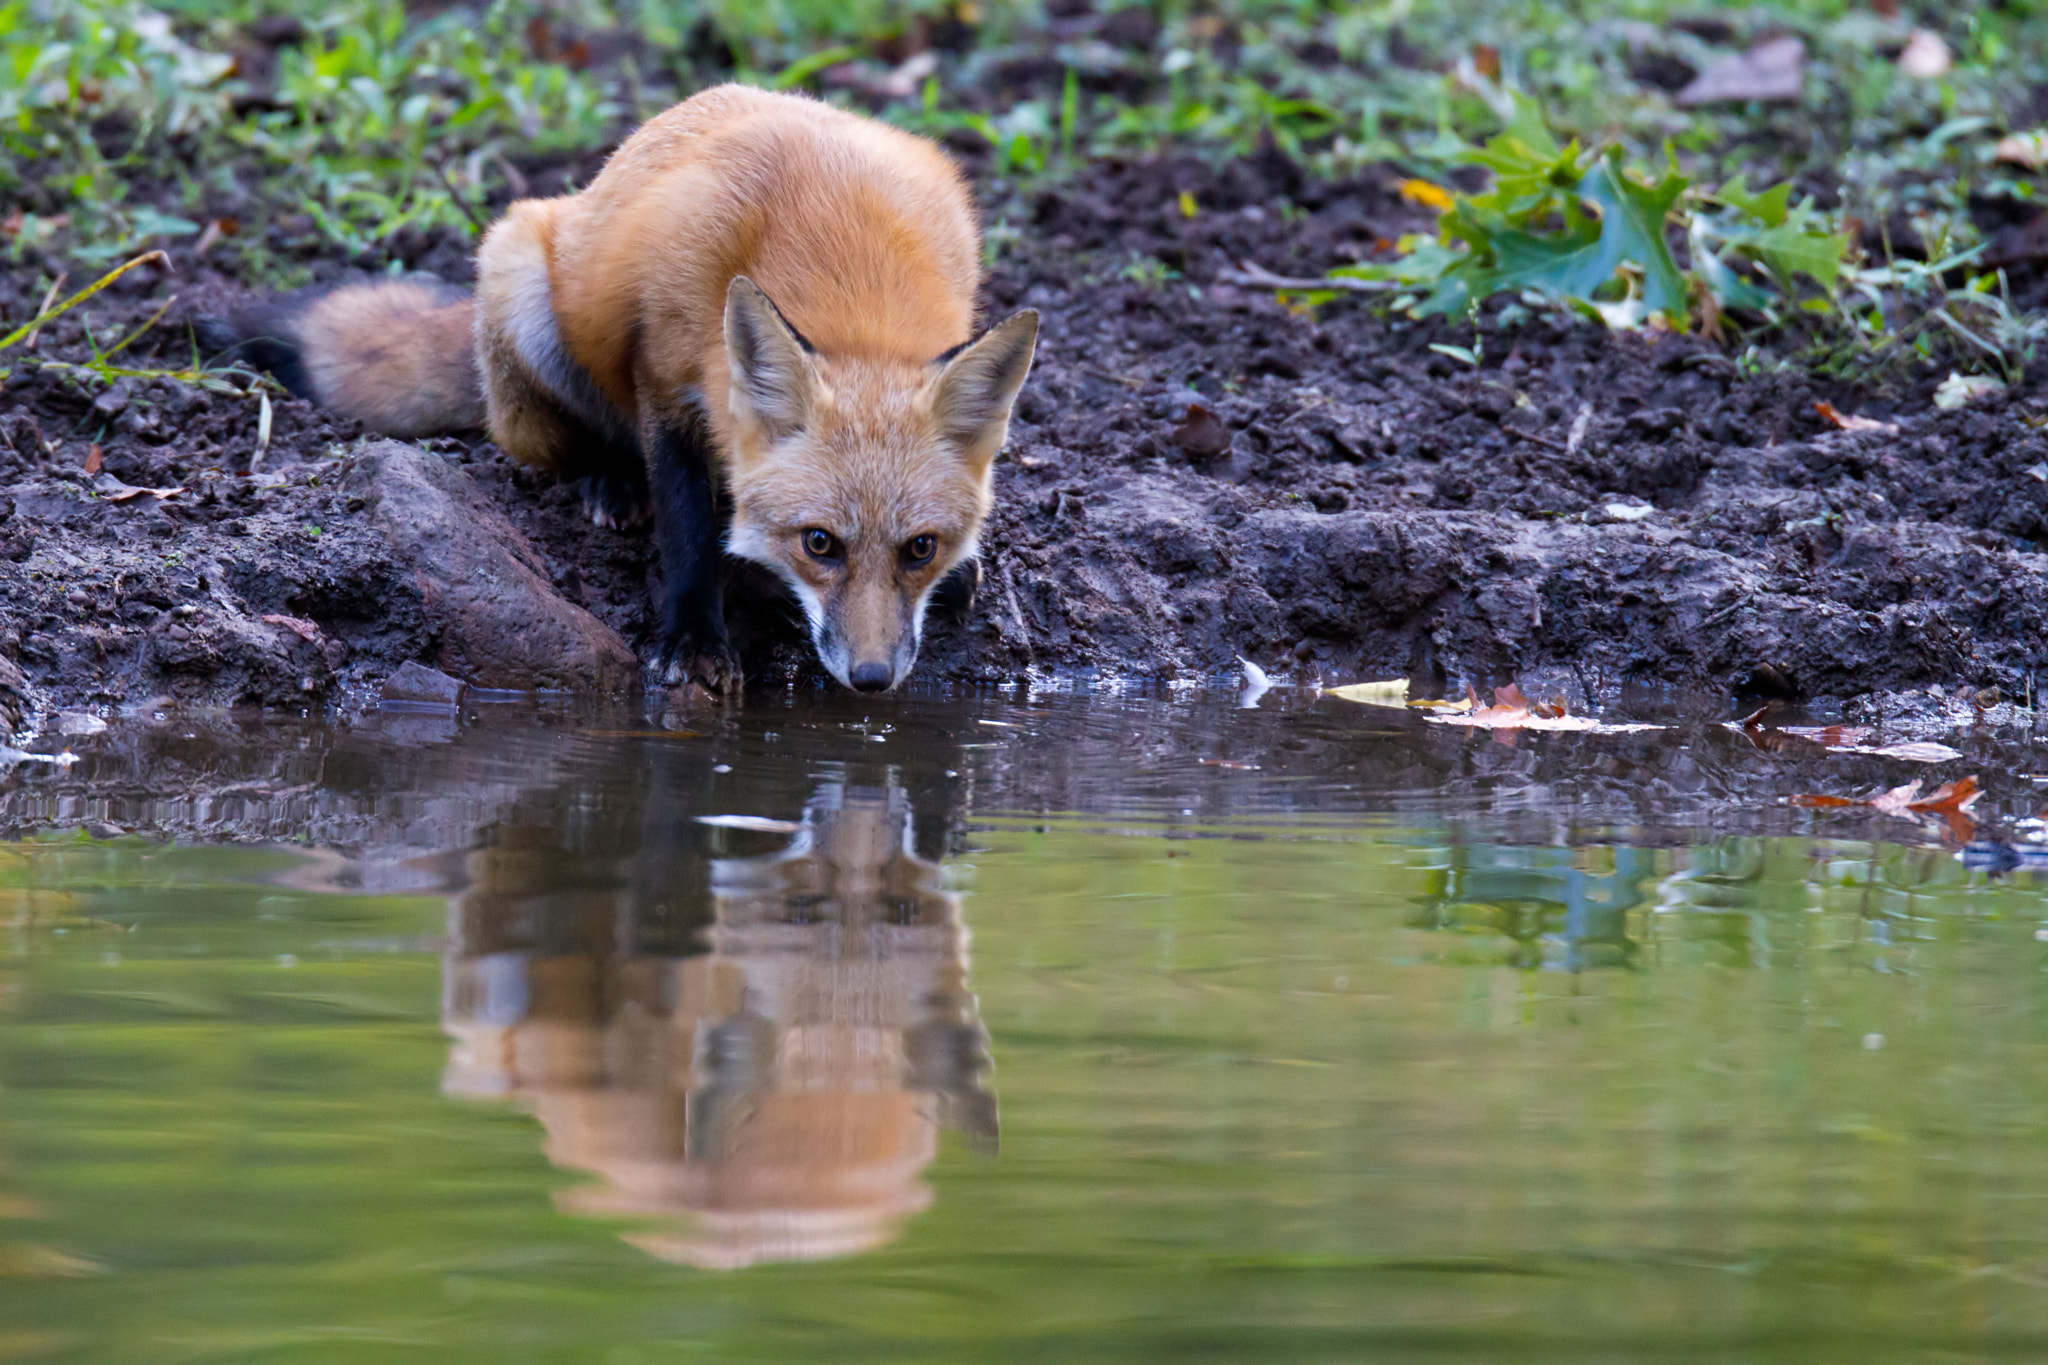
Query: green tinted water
[[1032, 1032]]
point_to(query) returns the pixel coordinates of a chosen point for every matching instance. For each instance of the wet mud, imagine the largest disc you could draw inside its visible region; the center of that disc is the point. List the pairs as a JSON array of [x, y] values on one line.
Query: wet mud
[[1196, 473]]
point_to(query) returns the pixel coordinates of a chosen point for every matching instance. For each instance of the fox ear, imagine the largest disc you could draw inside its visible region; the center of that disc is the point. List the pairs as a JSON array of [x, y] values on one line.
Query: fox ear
[[971, 397], [773, 382]]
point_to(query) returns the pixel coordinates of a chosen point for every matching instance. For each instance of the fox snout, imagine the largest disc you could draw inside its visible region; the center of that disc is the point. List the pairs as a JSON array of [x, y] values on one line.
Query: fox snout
[[868, 638]]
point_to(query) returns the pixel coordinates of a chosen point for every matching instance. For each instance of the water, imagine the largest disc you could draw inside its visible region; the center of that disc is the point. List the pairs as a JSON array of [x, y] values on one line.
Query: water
[[1075, 1029]]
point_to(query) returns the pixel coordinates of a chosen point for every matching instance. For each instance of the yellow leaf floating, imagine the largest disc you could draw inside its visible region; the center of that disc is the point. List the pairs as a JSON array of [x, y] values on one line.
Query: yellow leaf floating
[[1391, 693], [1431, 196]]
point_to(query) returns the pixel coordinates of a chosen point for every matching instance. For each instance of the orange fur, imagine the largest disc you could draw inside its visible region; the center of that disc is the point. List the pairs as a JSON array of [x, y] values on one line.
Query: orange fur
[[396, 356], [606, 321]]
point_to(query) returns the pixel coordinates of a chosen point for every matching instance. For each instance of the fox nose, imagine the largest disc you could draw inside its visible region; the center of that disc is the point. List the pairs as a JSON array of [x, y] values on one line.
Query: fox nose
[[871, 677]]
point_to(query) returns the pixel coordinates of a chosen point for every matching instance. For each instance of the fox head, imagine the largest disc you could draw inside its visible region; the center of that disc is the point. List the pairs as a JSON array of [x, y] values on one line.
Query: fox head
[[862, 482]]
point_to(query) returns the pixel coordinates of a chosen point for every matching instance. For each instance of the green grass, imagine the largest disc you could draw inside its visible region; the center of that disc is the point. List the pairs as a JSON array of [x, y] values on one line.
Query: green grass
[[120, 123]]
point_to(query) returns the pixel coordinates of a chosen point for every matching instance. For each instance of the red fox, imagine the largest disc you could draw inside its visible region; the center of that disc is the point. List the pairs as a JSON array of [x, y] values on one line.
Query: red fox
[[759, 296]]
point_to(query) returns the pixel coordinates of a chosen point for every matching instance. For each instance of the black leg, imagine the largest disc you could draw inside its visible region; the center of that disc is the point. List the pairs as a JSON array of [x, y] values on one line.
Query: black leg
[[687, 530], [615, 495], [953, 599]]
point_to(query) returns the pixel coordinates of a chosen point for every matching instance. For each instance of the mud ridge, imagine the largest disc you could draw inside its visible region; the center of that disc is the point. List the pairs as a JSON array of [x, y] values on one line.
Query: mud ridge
[[1196, 473]]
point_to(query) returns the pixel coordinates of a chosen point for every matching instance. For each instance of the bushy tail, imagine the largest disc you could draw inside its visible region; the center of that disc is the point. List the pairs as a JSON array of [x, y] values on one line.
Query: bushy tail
[[395, 355]]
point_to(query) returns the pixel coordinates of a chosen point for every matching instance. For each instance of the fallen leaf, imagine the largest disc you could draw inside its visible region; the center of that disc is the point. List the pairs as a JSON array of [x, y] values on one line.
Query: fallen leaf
[[1515, 718], [94, 460], [215, 229], [1950, 803], [112, 489], [759, 824], [1445, 704], [1513, 711], [1393, 692], [10, 756], [1833, 736], [1950, 798], [1959, 389], [903, 80], [1230, 763], [2028, 149], [1851, 422], [1188, 207], [297, 625], [1769, 71], [1921, 751], [1202, 435], [1926, 56], [1958, 795], [1428, 195]]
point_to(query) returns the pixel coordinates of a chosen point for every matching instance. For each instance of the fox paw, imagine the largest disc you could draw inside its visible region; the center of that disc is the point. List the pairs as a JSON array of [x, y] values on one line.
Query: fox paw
[[954, 598], [613, 501], [714, 668]]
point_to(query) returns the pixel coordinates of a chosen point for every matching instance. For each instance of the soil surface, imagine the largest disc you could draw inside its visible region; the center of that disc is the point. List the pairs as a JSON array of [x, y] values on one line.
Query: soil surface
[[1196, 473]]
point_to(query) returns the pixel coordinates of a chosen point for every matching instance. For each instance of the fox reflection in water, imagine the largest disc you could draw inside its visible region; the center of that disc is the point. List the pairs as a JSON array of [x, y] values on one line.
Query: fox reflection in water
[[758, 1067]]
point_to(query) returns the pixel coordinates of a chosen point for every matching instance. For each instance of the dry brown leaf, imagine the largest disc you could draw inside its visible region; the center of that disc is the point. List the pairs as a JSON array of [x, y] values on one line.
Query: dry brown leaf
[[112, 489], [2028, 149], [94, 460], [1851, 422], [297, 625], [1775, 70], [1513, 711], [1926, 56], [1919, 751], [1949, 803]]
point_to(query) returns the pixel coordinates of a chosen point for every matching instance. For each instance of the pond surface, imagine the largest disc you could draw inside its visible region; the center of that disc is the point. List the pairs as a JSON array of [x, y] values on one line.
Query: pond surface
[[1055, 1029]]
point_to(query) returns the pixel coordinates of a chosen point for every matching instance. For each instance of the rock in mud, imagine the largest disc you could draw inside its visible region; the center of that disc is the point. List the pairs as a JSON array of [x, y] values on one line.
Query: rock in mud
[[14, 699], [500, 622], [416, 685]]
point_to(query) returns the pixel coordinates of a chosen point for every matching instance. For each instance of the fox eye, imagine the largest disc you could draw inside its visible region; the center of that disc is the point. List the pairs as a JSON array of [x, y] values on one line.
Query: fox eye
[[918, 550], [820, 543]]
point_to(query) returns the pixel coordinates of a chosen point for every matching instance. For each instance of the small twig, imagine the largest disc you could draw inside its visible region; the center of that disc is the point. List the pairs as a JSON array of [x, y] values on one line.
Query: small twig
[[1258, 277], [456, 196], [35, 330], [513, 176], [1549, 441]]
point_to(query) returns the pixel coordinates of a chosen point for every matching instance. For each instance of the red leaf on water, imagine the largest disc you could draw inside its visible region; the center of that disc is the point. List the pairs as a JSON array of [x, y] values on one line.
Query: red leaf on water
[[1958, 795]]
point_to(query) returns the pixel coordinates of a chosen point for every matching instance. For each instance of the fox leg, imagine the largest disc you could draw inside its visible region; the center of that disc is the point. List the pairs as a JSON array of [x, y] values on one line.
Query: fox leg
[[689, 533], [953, 596], [544, 408]]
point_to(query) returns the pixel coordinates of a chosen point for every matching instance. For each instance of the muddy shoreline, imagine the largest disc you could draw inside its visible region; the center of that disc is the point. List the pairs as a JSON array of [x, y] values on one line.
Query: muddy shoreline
[[1587, 512]]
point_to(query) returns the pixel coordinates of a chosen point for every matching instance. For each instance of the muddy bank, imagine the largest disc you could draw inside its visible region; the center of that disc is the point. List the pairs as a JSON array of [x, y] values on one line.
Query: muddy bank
[[1583, 509]]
